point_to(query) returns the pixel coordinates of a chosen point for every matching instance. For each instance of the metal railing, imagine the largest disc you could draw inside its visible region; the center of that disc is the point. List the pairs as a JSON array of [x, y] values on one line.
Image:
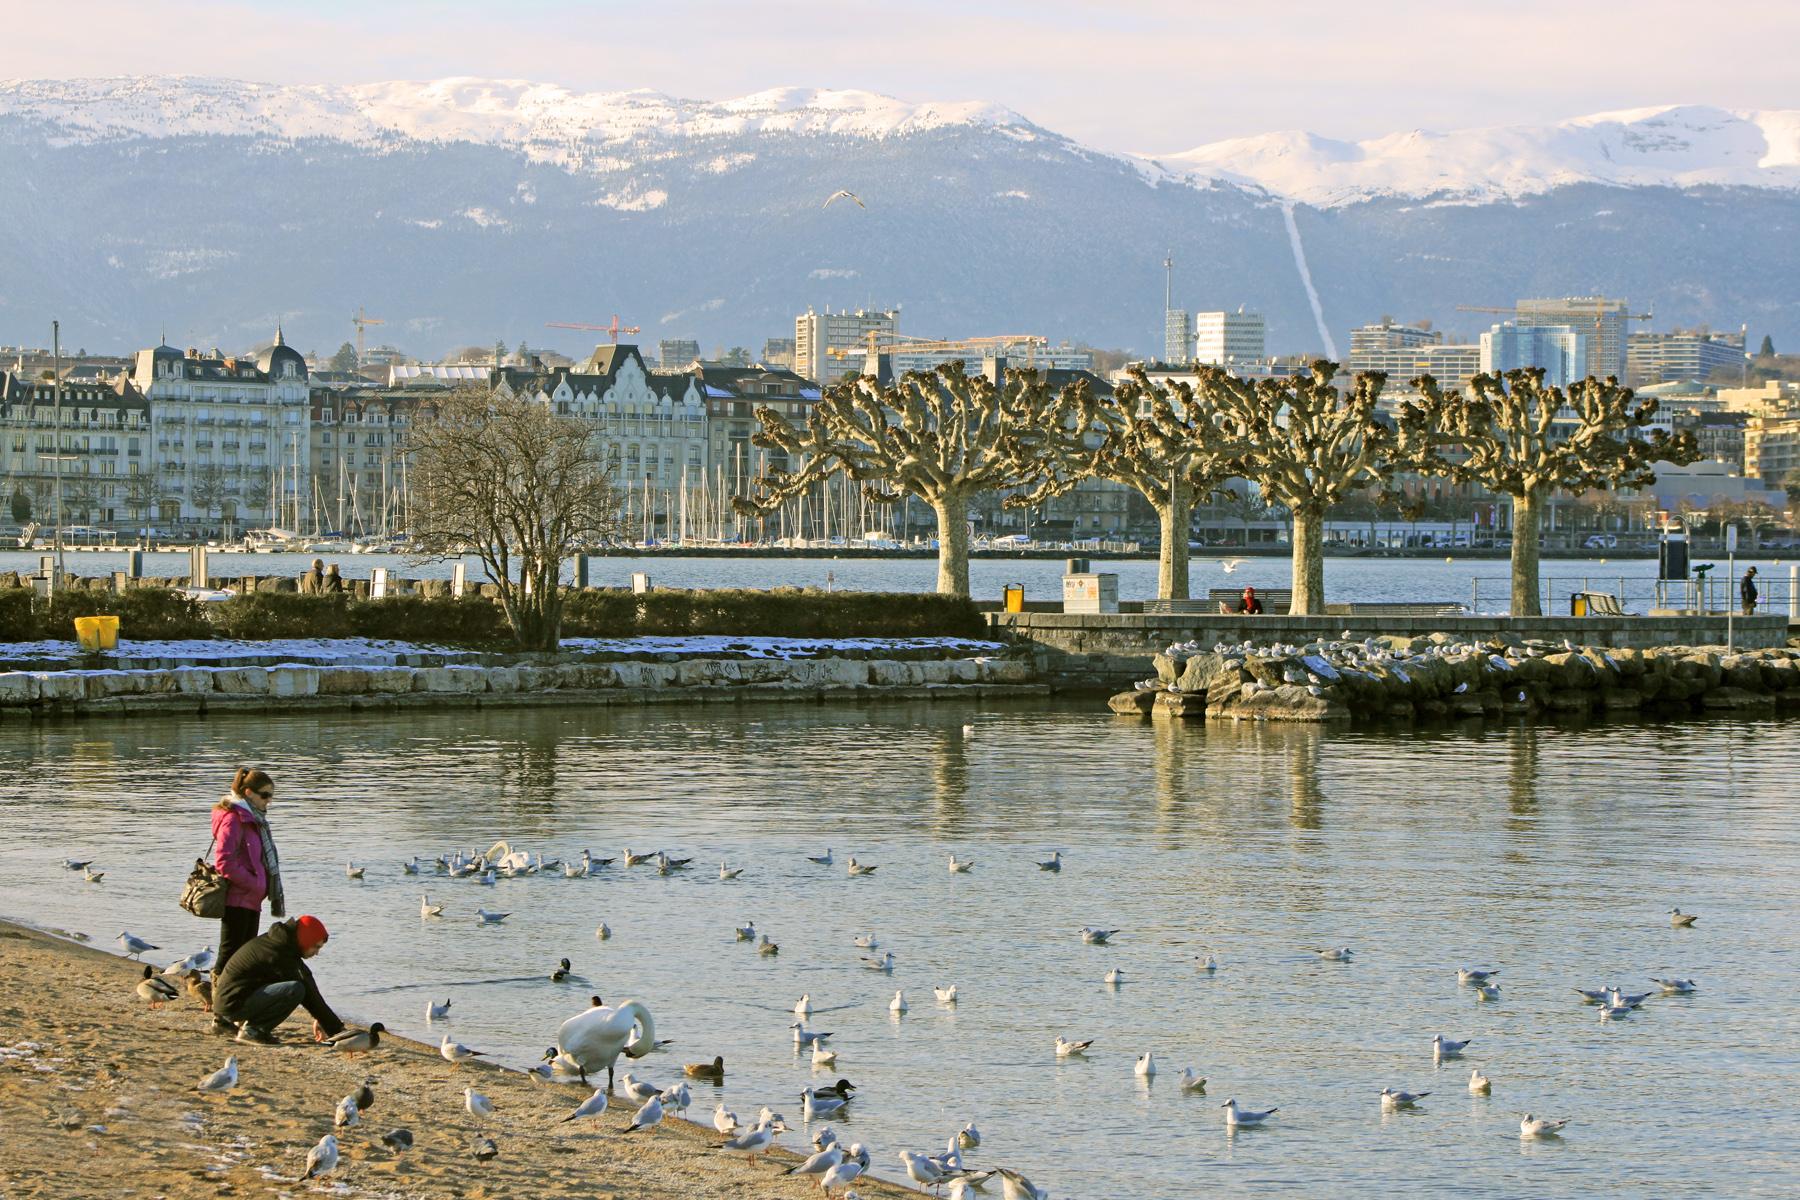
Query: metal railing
[[1712, 594]]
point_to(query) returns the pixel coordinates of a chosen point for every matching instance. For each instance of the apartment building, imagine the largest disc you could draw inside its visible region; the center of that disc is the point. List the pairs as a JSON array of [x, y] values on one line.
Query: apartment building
[[97, 441]]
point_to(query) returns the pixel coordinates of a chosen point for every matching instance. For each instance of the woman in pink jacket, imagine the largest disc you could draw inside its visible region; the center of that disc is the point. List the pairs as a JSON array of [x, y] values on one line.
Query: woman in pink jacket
[[244, 852]]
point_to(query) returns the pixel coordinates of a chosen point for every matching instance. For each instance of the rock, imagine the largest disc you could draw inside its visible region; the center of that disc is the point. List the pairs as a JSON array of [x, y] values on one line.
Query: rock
[[343, 681], [18, 687], [241, 681], [1203, 672], [291, 679], [1130, 704], [1178, 704], [1741, 671], [1008, 670], [1621, 699], [389, 681], [1575, 701], [1169, 670], [1732, 698], [503, 679]]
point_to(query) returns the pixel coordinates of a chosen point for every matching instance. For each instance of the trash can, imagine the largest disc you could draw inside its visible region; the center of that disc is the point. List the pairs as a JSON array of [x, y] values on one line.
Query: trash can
[[97, 633], [1578, 605], [1015, 597]]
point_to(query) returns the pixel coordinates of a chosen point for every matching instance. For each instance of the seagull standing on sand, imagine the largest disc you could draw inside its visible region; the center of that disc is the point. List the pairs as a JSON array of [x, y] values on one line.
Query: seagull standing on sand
[[646, 1117], [477, 1104], [593, 1106], [223, 1079], [456, 1052], [321, 1159], [133, 945]]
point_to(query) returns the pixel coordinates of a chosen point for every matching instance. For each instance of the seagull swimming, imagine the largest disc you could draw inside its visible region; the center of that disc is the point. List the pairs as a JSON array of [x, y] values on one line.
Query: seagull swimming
[[855, 868], [1336, 954], [824, 860], [1531, 1127], [1242, 1116], [1479, 1084], [1675, 987], [1053, 863], [1066, 1048], [1209, 964], [1096, 937], [1146, 1066], [490, 918], [1391, 1099], [428, 909], [898, 1005], [1115, 977], [1681, 920], [866, 941], [435, 1011], [884, 963], [603, 932], [945, 995], [1192, 1080], [962, 867], [816, 1104], [803, 1006], [352, 871], [726, 872], [1443, 1047], [1471, 975]]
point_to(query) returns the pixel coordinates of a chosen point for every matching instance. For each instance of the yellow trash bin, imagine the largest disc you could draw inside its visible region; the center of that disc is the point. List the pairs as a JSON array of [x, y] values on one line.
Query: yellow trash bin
[[1015, 597], [97, 633]]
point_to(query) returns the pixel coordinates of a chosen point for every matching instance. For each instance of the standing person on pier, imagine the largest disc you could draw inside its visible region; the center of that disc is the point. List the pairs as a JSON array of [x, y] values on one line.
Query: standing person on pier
[[1747, 592], [244, 852]]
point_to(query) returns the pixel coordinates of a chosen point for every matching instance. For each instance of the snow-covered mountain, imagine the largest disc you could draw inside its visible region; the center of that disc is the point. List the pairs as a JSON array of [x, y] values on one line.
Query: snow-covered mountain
[[1677, 146], [463, 210]]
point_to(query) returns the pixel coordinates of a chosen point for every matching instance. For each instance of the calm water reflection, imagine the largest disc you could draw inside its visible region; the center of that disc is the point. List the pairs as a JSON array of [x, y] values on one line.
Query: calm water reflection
[[1550, 851]]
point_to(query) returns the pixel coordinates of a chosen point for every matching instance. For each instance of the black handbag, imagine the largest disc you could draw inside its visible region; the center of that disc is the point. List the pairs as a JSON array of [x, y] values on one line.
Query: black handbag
[[206, 889]]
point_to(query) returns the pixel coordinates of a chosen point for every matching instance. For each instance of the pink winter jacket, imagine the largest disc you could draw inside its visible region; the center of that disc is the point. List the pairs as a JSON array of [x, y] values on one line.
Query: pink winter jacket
[[237, 853]]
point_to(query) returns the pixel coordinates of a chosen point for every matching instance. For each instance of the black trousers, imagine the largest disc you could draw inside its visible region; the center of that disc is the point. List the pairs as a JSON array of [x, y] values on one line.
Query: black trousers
[[270, 1005], [235, 928]]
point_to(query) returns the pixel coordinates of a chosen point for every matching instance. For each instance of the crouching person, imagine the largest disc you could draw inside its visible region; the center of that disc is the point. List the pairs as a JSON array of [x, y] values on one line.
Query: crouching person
[[267, 979]]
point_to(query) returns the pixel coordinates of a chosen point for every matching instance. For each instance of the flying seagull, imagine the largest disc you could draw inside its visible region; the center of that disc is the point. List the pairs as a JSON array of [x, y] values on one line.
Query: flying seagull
[[843, 194]]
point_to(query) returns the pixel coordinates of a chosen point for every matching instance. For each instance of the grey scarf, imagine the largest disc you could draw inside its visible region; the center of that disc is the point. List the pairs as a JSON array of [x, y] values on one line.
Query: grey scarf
[[271, 861]]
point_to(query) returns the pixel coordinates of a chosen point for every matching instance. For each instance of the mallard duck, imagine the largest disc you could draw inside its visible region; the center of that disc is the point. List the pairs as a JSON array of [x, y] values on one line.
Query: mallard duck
[[156, 990], [199, 991], [765, 946], [712, 1070], [562, 971], [357, 1041]]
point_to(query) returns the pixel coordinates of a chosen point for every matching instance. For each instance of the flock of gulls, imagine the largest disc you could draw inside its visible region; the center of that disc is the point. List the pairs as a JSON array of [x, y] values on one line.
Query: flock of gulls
[[600, 1035]]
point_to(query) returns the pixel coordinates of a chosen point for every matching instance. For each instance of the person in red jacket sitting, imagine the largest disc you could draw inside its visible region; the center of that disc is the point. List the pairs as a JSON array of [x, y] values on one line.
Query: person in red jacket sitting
[[1251, 605], [244, 852]]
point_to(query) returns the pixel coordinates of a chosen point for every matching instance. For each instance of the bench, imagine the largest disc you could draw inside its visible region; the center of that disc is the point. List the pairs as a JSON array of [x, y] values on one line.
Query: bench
[[1601, 604], [1404, 608], [1275, 601]]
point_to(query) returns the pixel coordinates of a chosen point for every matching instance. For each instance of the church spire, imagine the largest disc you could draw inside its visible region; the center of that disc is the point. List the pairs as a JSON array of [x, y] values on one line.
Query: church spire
[[279, 340]]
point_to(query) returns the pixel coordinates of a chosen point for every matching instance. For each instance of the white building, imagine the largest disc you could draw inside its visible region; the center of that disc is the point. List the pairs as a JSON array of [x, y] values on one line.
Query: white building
[[229, 435], [1561, 350], [1178, 335], [817, 335], [1223, 338]]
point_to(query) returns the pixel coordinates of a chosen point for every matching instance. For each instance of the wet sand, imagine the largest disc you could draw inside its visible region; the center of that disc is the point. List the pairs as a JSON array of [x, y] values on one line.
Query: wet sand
[[98, 1095]]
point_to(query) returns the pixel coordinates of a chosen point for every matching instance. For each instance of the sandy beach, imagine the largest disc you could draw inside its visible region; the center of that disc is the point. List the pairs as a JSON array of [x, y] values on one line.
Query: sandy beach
[[100, 1100]]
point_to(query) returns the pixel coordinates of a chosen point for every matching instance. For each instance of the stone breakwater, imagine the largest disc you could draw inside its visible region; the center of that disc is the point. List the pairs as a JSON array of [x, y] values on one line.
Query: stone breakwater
[[199, 689], [1439, 677]]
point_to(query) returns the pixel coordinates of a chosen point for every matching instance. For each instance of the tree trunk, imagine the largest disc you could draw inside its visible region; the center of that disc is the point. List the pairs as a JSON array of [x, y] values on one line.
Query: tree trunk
[[1309, 561], [1172, 561], [953, 544], [1525, 520]]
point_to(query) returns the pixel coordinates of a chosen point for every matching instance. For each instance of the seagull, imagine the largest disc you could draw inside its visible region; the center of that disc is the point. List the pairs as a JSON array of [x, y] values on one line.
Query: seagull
[[1471, 975], [632, 860], [1531, 1127], [962, 867], [1115, 977], [456, 1052], [1241, 1116], [435, 1011], [745, 932], [751, 1142], [1192, 1080], [647, 1117], [1146, 1066], [410, 868], [1675, 987], [356, 1041], [1209, 964], [1230, 565], [968, 731], [816, 1104], [806, 1037], [866, 941], [884, 963], [427, 909], [1621, 1000], [1066, 1048], [223, 1079], [1487, 991], [724, 1120], [78, 864], [485, 1150], [677, 1098], [637, 1090], [593, 1106], [93, 876], [1096, 937], [1338, 954], [803, 1006], [1479, 1084], [1390, 1099], [490, 918], [1053, 863], [921, 1169], [898, 1005], [855, 868], [352, 871], [134, 946], [477, 1104], [945, 995], [398, 1140], [726, 872], [1443, 1047], [824, 860], [1681, 920], [827, 1157], [765, 946], [321, 1159], [1014, 1186], [843, 194], [575, 870], [840, 1176], [604, 932], [821, 1057], [1592, 995], [968, 1137], [350, 1108]]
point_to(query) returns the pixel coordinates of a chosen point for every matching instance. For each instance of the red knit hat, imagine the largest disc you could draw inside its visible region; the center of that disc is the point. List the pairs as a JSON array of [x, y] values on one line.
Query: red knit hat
[[309, 931]]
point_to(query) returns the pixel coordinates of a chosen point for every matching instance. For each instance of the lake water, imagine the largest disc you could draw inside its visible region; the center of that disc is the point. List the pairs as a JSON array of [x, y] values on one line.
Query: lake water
[[1482, 582], [1551, 852]]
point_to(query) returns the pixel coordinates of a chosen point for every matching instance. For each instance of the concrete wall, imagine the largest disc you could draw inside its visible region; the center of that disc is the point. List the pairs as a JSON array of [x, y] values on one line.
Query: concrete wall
[[1108, 649]]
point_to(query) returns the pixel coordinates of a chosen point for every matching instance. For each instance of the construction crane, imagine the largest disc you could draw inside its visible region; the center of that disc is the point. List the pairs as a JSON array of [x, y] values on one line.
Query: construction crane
[[612, 331], [363, 320]]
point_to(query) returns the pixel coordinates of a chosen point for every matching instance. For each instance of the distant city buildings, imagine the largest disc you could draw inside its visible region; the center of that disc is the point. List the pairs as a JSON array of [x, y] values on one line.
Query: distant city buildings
[[1600, 320], [677, 354], [98, 444], [1224, 338], [1405, 352], [1682, 354], [778, 353], [1562, 351], [1178, 335], [828, 345]]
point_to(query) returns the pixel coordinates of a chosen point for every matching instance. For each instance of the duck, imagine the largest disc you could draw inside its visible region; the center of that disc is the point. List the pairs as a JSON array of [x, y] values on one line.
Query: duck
[[357, 1041], [1053, 863], [199, 991], [714, 1070], [765, 946], [596, 1036], [562, 971], [155, 990], [842, 1087]]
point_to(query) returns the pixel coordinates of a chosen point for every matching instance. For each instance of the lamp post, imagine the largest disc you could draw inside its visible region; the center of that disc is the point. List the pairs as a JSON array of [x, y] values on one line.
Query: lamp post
[[57, 457]]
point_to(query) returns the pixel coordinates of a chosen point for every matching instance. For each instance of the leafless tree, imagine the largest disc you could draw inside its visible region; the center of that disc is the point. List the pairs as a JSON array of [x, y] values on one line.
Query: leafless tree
[[944, 436], [1519, 438], [209, 489], [518, 487]]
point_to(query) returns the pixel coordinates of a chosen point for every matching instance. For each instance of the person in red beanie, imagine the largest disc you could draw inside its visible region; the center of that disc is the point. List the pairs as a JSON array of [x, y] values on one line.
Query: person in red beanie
[[267, 979]]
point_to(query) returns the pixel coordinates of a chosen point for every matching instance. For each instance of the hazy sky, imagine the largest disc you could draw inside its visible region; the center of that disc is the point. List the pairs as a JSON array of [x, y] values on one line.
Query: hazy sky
[[1137, 75]]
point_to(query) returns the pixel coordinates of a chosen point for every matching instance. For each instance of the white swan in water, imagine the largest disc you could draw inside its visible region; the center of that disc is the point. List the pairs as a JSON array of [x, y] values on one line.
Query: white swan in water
[[595, 1037]]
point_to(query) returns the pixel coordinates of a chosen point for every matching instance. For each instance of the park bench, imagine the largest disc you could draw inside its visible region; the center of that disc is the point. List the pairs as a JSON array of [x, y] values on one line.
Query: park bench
[[1404, 608], [1601, 604], [1275, 601]]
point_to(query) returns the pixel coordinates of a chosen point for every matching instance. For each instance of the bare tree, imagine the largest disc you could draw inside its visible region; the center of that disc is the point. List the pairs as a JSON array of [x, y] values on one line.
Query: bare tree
[[209, 489], [1162, 441], [1519, 438], [943, 436], [1308, 446], [512, 483]]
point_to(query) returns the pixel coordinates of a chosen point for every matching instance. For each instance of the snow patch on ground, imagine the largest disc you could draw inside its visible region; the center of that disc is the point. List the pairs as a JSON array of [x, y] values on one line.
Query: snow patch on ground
[[773, 647]]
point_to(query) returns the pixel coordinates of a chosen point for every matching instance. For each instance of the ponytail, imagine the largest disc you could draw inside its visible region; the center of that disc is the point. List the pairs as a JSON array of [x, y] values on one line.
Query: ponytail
[[247, 780]]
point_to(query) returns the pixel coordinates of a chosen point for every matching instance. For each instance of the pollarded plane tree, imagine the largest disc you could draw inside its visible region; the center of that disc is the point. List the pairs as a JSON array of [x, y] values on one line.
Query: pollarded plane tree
[[943, 436], [1307, 447], [507, 480], [1164, 441], [1518, 438]]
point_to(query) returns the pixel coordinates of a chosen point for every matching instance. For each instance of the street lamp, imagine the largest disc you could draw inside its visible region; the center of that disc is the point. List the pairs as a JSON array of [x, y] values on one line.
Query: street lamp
[[58, 457]]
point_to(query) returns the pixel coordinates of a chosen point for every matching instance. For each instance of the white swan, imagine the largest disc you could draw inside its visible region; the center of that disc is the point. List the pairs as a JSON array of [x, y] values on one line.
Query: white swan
[[595, 1037]]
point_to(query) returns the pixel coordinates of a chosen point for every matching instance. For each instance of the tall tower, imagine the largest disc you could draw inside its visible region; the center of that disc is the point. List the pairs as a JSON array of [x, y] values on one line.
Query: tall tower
[[1178, 334]]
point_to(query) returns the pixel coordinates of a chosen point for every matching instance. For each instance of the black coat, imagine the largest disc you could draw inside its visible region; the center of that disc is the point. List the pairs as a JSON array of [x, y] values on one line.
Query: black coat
[[272, 958], [1747, 588]]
